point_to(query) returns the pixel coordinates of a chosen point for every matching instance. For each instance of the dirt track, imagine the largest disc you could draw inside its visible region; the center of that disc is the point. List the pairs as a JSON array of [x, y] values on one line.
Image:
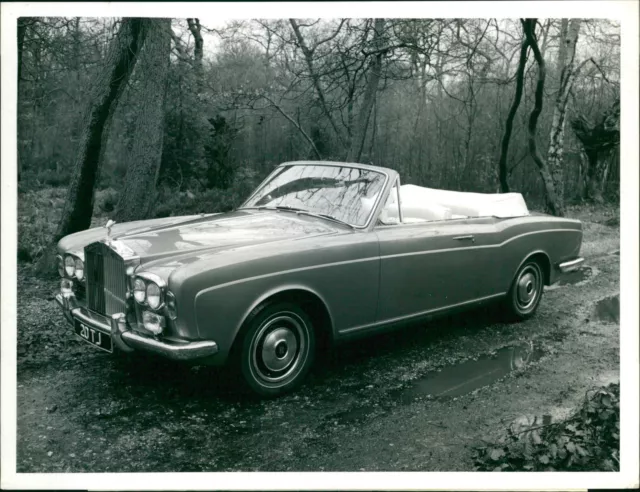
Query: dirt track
[[401, 401]]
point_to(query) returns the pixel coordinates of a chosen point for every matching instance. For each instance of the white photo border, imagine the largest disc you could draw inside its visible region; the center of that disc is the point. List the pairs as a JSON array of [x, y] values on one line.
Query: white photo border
[[626, 11]]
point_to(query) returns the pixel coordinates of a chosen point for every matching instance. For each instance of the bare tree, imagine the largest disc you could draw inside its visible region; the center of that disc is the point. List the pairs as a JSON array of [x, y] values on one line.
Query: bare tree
[[106, 90], [362, 122], [508, 128], [22, 30], [308, 52], [554, 205], [138, 193], [195, 29], [598, 141], [566, 55]]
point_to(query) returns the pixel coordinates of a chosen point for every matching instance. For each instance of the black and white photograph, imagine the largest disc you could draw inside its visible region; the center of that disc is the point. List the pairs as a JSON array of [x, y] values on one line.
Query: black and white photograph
[[324, 237]]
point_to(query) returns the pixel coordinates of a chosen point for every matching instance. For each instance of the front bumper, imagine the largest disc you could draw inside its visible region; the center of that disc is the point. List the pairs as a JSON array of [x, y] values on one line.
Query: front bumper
[[126, 339], [570, 266]]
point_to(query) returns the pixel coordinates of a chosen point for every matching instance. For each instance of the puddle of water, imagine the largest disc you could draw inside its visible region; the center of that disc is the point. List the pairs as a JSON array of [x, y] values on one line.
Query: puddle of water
[[463, 378], [608, 309]]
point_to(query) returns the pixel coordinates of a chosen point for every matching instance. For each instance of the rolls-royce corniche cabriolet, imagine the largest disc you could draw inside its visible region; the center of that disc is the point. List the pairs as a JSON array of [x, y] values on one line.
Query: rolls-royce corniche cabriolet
[[320, 252]]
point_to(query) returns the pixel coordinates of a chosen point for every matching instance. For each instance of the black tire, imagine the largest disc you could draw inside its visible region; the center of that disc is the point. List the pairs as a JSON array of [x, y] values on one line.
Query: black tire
[[276, 349], [526, 291]]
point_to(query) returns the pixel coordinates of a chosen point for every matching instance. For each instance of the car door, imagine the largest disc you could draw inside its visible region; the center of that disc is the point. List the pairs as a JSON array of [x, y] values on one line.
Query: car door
[[430, 266]]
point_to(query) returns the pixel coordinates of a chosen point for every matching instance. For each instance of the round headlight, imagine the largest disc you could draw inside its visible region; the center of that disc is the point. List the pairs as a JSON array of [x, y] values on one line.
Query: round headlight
[[60, 266], [153, 295], [139, 290], [69, 265], [79, 269]]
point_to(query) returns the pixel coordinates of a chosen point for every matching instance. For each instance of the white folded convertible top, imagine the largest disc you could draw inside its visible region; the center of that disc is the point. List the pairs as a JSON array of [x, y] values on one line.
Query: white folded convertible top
[[420, 203]]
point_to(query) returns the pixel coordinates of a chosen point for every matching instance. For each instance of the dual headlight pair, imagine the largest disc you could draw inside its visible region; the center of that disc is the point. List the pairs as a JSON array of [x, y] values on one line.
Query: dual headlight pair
[[153, 293], [147, 292], [71, 266]]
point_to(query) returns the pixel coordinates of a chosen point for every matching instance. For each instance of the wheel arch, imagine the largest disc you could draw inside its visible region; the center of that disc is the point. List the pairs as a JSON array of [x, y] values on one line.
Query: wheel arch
[[543, 259], [308, 299]]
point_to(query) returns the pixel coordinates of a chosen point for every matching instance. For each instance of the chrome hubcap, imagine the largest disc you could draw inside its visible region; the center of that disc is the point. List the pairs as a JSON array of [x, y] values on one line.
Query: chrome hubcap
[[279, 348], [527, 288]]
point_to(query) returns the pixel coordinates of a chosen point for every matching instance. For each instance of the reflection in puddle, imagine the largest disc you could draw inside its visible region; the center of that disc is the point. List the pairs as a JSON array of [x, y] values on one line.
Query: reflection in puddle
[[608, 309], [462, 378]]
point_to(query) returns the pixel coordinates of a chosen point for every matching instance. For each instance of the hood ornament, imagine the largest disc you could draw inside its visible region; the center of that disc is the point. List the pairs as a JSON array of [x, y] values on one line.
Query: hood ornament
[[110, 223]]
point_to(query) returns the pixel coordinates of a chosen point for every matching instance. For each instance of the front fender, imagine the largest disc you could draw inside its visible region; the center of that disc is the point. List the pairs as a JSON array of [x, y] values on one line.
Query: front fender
[[282, 289]]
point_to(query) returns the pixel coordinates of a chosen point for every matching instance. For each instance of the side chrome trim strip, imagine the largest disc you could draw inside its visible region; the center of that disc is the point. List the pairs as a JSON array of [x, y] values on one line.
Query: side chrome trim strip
[[486, 246], [419, 314], [284, 272], [371, 258]]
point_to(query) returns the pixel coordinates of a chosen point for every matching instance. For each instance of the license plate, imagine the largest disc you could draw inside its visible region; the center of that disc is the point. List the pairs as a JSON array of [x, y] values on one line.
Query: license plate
[[94, 337]]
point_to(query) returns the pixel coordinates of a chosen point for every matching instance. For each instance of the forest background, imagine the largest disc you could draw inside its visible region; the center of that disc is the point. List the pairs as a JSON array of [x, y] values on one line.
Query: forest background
[[136, 118]]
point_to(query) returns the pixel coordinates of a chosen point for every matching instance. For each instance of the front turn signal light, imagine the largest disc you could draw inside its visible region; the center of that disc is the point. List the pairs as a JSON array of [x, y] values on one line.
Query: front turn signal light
[[153, 322], [172, 309]]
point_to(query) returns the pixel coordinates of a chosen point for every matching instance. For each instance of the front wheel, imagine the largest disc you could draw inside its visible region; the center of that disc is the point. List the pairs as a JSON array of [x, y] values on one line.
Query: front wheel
[[526, 291], [276, 349]]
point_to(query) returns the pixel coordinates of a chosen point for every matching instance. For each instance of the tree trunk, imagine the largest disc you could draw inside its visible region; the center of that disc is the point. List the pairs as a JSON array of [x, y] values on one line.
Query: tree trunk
[[598, 141], [581, 193], [554, 205], [362, 122], [594, 188], [315, 78], [374, 131], [566, 56], [106, 90], [508, 128], [194, 27], [22, 30], [77, 42], [138, 194]]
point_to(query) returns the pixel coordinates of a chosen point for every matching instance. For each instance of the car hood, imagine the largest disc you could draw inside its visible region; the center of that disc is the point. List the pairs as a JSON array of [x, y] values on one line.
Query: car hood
[[218, 232]]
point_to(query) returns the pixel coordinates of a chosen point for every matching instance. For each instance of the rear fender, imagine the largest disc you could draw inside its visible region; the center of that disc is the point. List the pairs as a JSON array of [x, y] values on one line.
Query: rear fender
[[547, 267]]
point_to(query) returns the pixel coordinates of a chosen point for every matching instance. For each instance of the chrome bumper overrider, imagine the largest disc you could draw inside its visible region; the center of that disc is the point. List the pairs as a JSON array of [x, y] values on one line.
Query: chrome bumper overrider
[[126, 339], [569, 266]]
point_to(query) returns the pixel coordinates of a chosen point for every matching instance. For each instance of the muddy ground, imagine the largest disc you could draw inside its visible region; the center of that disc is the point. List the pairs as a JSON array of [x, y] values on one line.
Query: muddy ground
[[417, 399]]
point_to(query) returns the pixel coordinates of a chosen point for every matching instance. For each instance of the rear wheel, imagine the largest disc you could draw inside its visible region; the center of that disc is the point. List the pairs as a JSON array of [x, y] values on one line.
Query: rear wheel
[[526, 291], [276, 349]]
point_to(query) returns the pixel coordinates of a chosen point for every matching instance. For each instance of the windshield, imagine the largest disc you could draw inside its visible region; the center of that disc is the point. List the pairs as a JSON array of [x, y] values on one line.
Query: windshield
[[347, 194]]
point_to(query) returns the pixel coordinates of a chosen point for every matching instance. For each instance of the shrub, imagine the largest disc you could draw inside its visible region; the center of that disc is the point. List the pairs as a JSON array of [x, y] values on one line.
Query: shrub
[[45, 178], [39, 213], [106, 200], [171, 202], [188, 203], [588, 440]]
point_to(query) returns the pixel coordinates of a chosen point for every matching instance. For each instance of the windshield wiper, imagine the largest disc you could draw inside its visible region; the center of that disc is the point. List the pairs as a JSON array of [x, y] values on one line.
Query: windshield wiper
[[287, 208], [326, 216], [277, 207]]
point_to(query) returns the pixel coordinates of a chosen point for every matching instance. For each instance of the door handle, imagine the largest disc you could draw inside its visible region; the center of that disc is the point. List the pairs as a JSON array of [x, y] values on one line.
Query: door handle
[[464, 238]]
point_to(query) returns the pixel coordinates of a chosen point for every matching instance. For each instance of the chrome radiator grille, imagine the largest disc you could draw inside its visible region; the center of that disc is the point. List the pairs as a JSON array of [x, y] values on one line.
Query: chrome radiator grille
[[106, 279]]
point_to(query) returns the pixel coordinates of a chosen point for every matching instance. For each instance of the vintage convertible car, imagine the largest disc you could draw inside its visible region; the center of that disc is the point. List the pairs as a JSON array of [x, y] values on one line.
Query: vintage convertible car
[[320, 252]]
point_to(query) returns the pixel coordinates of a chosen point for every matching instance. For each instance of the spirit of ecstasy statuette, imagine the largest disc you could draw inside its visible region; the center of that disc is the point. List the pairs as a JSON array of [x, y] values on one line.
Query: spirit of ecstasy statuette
[[110, 223]]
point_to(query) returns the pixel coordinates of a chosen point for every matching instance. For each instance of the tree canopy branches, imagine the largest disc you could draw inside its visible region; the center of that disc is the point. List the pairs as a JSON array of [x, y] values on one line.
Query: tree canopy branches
[[449, 103]]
